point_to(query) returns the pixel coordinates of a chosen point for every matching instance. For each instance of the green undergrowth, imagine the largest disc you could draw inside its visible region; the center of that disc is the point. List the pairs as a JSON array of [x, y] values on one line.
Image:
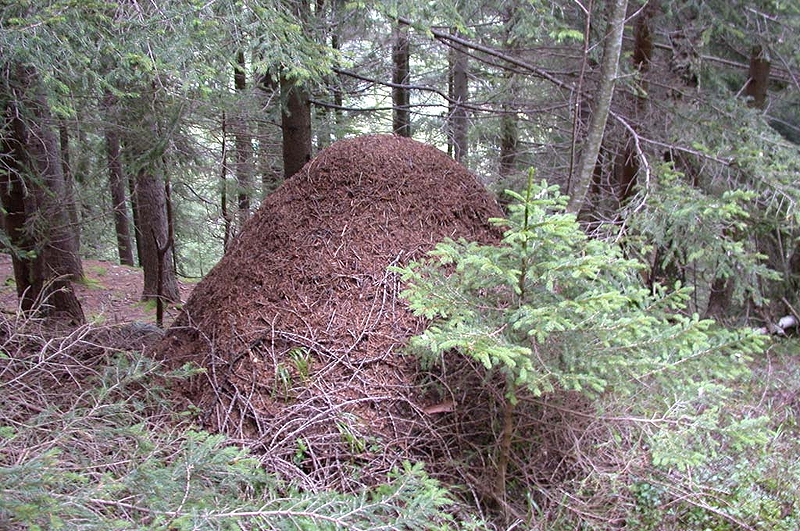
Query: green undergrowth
[[675, 422], [91, 440]]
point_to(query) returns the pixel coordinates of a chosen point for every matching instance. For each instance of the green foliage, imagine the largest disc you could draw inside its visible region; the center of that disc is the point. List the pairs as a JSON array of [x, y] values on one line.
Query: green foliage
[[728, 464], [704, 236], [112, 453], [552, 309]]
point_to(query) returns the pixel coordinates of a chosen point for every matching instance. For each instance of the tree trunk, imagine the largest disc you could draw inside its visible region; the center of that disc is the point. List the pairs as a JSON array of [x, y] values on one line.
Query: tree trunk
[[338, 96], [154, 237], [116, 181], [757, 84], [509, 132], [508, 143], [401, 75], [643, 49], [459, 94], [296, 127], [136, 216], [46, 258], [269, 171], [223, 186], [626, 163], [243, 141], [603, 95], [12, 195], [70, 199]]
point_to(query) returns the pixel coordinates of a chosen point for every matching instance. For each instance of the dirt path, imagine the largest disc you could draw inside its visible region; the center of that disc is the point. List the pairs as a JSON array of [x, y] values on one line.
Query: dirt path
[[110, 295]]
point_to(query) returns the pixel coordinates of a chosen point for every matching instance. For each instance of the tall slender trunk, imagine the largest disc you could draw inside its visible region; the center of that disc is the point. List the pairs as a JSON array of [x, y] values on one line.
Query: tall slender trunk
[[401, 75], [243, 141], [643, 48], [627, 163], [156, 258], [136, 216], [603, 95], [295, 107], [338, 97], [508, 121], [116, 182], [70, 197], [459, 94], [508, 142], [223, 186], [758, 82], [269, 170], [296, 126]]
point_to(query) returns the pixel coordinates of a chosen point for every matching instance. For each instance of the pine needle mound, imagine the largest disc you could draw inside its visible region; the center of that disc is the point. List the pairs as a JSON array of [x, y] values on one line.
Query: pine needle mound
[[299, 326]]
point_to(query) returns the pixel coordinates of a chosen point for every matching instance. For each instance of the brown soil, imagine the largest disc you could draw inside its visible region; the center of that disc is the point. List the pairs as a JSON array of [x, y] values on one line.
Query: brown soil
[[300, 328], [110, 296]]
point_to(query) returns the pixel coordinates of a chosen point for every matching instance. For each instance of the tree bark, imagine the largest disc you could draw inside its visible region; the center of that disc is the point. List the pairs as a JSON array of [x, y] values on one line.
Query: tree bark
[[116, 181], [136, 217], [509, 132], [508, 142], [243, 141], [758, 82], [603, 95], [459, 94], [643, 49], [12, 195], [296, 126], [38, 225], [70, 198], [270, 172], [626, 163], [401, 75], [154, 236], [223, 186]]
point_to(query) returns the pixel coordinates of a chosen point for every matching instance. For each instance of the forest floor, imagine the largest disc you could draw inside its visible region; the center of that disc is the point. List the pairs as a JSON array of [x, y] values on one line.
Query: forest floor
[[111, 294]]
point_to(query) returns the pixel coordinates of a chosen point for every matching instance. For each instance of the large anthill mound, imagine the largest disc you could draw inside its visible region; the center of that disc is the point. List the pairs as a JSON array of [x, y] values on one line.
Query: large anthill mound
[[299, 326]]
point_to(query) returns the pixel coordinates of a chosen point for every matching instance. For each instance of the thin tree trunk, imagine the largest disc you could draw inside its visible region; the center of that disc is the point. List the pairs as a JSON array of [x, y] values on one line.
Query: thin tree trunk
[[643, 48], [401, 75], [243, 142], [758, 83], [626, 163], [270, 172], [154, 236], [137, 232], [223, 186], [603, 96], [459, 94], [338, 97], [508, 142], [508, 120], [296, 127], [116, 181], [295, 108], [70, 198]]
